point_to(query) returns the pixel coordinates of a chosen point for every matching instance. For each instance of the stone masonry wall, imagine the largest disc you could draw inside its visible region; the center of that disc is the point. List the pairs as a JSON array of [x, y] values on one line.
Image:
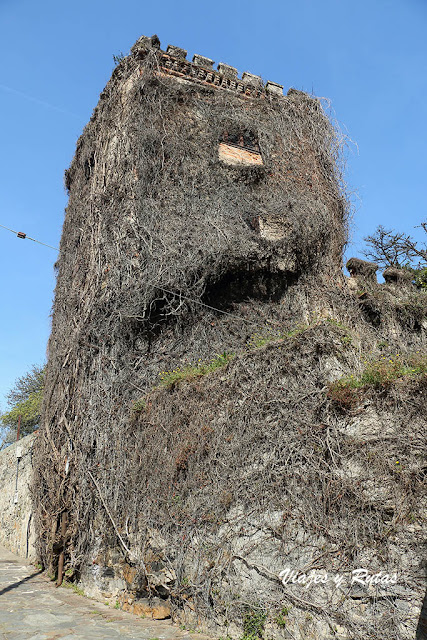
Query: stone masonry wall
[[16, 523]]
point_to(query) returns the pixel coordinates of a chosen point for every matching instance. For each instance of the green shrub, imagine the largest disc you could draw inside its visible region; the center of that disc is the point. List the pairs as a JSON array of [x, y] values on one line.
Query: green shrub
[[191, 371], [253, 624], [260, 339], [378, 374], [139, 405], [281, 618], [420, 278]]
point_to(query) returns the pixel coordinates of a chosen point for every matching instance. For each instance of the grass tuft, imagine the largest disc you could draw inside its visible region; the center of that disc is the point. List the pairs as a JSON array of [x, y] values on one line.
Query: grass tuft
[[377, 374], [192, 371]]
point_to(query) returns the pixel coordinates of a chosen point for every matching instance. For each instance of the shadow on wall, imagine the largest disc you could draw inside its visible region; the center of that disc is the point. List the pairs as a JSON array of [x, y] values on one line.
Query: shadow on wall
[[422, 623]]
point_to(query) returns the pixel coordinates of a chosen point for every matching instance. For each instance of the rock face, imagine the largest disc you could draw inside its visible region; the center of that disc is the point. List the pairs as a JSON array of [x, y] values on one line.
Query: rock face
[[319, 525], [16, 519], [217, 407]]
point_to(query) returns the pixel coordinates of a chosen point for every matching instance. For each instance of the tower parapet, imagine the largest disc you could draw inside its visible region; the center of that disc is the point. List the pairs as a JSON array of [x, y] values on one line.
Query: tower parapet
[[174, 61]]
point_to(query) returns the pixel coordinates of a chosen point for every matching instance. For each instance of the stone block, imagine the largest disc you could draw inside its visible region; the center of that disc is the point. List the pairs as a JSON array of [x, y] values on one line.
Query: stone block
[[151, 608], [201, 61], [227, 71], [362, 268], [296, 92], [146, 42], [274, 89], [402, 277], [272, 230], [251, 79], [176, 52]]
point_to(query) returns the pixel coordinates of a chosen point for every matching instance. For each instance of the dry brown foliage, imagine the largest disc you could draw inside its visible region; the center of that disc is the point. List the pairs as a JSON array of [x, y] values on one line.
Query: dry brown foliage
[[155, 226]]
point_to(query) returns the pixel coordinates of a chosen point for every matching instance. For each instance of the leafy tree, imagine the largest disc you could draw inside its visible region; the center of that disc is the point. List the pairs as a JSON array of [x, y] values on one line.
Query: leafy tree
[[6, 436], [420, 278], [25, 400], [31, 382]]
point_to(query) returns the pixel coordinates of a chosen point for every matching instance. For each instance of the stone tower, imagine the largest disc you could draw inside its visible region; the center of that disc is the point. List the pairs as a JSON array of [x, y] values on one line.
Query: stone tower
[[201, 205], [191, 185]]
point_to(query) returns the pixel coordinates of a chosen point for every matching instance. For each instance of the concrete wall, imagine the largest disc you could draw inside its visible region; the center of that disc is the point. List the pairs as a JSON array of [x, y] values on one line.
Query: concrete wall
[[16, 522]]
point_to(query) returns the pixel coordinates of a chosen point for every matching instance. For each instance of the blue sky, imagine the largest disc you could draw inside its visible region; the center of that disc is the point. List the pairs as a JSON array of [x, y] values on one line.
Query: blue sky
[[368, 57]]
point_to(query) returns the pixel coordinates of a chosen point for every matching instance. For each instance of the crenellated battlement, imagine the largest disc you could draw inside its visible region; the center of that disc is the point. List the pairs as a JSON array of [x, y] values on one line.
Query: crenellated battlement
[[174, 61]]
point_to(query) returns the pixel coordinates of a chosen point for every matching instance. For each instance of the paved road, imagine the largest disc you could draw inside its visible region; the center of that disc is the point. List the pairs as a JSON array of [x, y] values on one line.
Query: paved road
[[31, 608]]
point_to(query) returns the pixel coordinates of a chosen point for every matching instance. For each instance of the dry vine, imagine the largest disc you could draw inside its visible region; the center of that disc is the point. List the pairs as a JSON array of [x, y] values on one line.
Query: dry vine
[[157, 227]]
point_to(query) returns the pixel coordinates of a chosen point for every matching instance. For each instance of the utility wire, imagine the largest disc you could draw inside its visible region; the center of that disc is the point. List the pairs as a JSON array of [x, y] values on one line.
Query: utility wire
[[23, 236]]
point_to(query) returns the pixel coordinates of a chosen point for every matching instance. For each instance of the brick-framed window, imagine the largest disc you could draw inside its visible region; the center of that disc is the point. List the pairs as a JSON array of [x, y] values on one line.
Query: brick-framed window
[[240, 148], [244, 139]]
